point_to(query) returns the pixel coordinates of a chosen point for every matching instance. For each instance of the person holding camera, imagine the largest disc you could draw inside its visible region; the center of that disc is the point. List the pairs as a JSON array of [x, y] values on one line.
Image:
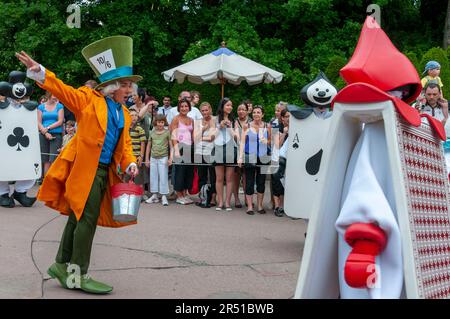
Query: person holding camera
[[432, 103]]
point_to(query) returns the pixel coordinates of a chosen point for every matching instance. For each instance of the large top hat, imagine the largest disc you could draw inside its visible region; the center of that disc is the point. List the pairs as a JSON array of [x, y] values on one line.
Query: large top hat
[[111, 59]]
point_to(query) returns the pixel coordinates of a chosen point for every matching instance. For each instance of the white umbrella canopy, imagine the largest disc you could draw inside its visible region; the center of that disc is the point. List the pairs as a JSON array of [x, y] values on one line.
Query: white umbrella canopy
[[220, 66]]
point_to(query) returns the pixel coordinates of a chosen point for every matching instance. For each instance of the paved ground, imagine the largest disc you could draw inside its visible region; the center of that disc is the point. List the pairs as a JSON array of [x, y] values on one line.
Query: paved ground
[[173, 252]]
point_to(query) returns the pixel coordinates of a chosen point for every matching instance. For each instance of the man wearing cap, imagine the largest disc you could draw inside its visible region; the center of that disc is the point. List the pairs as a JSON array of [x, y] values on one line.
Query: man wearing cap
[[78, 183]]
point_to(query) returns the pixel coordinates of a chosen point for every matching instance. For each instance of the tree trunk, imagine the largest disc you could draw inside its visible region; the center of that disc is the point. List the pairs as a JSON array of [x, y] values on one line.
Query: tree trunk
[[447, 27]]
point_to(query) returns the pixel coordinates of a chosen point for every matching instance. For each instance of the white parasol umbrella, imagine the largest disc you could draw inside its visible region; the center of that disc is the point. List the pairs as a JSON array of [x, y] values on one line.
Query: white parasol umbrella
[[220, 66]]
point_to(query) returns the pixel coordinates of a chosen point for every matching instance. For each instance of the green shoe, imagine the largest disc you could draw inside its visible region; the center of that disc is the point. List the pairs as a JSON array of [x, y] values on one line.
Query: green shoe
[[59, 271], [91, 286]]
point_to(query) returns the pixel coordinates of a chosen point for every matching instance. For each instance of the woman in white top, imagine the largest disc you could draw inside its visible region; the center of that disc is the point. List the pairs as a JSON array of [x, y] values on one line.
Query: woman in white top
[[225, 151], [242, 124], [204, 130]]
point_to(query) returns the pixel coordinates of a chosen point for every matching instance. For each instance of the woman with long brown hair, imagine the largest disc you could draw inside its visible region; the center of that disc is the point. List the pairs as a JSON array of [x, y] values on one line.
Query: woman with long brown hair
[[225, 152], [181, 130]]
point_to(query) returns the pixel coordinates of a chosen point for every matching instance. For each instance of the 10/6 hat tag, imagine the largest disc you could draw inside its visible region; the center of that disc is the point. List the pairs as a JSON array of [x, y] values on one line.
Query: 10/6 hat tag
[[104, 61]]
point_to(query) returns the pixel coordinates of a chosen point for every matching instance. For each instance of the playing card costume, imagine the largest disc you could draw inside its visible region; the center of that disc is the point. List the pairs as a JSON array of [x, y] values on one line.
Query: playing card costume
[[381, 227], [308, 132], [78, 183], [19, 141]]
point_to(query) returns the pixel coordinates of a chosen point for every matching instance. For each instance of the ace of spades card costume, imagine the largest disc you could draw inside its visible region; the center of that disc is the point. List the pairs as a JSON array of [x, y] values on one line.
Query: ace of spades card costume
[[78, 183], [308, 131], [381, 227], [19, 141]]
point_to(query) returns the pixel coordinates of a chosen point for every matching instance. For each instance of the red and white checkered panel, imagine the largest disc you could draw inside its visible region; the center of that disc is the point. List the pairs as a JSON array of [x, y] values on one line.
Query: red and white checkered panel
[[427, 187]]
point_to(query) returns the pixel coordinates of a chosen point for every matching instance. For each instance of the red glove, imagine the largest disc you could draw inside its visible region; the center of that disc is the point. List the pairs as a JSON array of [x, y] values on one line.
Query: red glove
[[367, 241]]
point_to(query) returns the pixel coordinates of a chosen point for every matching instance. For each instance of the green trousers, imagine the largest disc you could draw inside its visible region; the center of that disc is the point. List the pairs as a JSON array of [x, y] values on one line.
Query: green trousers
[[77, 238]]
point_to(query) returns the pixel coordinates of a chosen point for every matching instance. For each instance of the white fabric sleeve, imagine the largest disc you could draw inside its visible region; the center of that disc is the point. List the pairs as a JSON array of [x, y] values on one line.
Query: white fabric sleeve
[[368, 197], [37, 76], [199, 114]]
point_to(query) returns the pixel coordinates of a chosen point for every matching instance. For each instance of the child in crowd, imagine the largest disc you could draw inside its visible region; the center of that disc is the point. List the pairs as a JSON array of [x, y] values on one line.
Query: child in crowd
[[70, 132], [432, 69], [158, 158], [137, 135]]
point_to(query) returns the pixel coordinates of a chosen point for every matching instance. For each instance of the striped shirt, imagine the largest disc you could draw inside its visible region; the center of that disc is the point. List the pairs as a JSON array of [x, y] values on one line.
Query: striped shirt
[[137, 135]]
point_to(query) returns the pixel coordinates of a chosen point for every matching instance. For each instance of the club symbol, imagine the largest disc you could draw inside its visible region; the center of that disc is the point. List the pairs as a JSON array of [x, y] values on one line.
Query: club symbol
[[18, 138]]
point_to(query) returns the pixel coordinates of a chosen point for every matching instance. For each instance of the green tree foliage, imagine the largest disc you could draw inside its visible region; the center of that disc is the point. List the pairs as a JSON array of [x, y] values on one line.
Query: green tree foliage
[[412, 56], [295, 37], [333, 68]]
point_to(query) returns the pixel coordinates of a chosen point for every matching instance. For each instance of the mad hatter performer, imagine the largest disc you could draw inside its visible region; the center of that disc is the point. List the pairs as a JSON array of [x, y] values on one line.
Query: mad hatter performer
[[78, 183], [19, 141]]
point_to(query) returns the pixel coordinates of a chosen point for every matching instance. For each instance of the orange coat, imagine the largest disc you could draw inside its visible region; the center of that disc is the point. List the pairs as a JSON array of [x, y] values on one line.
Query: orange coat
[[67, 184]]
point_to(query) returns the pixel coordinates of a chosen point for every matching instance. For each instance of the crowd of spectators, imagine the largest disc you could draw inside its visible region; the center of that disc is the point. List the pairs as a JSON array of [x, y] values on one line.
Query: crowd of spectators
[[183, 149]]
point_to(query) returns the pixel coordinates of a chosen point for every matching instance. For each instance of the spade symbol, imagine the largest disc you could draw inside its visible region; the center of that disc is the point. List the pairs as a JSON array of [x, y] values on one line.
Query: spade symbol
[[18, 138], [313, 163], [36, 165], [296, 141]]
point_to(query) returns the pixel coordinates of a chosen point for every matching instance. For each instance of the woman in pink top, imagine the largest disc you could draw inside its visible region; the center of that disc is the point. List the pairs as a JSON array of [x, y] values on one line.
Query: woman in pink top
[[181, 129]]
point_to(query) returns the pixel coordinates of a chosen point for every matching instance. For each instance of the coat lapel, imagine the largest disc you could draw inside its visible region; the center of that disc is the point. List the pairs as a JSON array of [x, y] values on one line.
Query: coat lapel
[[101, 110]]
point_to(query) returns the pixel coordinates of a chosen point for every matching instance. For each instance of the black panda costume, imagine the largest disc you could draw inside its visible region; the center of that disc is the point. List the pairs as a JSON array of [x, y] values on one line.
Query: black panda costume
[[18, 121]]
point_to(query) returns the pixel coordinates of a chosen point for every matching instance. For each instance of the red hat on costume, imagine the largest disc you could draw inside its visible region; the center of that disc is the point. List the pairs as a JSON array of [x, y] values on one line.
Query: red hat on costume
[[377, 67], [377, 61]]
